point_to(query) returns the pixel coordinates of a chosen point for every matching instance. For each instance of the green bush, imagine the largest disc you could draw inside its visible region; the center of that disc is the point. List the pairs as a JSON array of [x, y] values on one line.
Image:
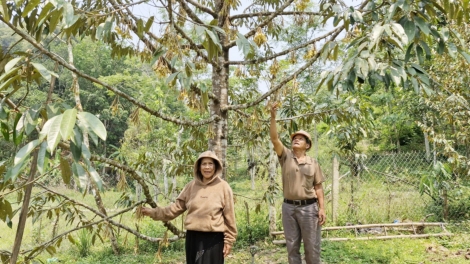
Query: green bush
[[84, 242]]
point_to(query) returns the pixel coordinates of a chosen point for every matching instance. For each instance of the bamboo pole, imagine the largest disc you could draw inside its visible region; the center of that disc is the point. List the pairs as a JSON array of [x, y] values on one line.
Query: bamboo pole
[[279, 242], [413, 224]]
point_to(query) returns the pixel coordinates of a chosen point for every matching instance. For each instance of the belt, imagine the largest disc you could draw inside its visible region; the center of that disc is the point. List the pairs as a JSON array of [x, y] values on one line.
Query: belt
[[301, 202]]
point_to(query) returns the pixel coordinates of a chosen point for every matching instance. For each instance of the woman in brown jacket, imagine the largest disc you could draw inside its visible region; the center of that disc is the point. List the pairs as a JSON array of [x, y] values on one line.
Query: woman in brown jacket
[[210, 221]]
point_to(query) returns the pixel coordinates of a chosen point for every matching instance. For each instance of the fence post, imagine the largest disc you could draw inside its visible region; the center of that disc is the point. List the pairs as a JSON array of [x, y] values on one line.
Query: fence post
[[335, 190]]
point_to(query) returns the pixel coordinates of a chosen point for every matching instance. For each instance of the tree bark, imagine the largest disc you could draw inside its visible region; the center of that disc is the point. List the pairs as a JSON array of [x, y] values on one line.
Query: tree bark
[[272, 183], [335, 190], [220, 72], [24, 210]]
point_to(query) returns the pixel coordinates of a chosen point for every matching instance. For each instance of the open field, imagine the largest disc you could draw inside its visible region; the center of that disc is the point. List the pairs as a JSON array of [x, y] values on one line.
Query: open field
[[373, 204]]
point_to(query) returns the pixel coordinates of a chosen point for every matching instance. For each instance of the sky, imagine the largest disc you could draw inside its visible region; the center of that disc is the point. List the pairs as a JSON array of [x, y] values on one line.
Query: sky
[[145, 11]]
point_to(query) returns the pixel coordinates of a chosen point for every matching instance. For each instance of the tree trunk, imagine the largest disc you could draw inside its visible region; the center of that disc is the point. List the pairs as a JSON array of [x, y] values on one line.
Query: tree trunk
[[156, 190], [252, 166], [27, 195], [335, 190], [24, 210], [220, 72], [445, 205], [165, 178], [102, 209], [138, 190], [426, 142], [174, 194], [272, 183]]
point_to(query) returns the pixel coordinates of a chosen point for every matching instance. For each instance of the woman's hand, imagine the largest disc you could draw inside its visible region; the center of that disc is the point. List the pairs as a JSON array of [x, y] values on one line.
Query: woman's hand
[[227, 249], [146, 211]]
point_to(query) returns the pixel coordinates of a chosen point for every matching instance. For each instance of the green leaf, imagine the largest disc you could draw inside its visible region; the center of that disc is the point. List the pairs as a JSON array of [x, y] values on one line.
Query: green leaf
[[68, 122], [419, 54], [12, 63], [422, 25], [410, 29], [25, 151], [4, 113], [5, 11], [140, 27], [243, 44], [18, 133], [42, 70], [415, 85], [85, 152], [408, 52], [375, 34], [400, 33], [199, 30], [464, 54], [214, 39], [156, 55], [93, 137], [51, 130], [45, 13], [426, 49], [55, 16], [418, 68], [5, 209], [69, 17], [51, 250], [171, 77], [13, 172], [30, 6], [149, 24], [93, 123], [96, 177], [42, 158], [70, 238], [80, 172], [76, 144], [441, 47], [5, 131], [66, 171]]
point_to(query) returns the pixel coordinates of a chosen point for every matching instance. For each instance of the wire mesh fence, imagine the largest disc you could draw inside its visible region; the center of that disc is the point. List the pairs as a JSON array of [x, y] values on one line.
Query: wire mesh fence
[[379, 187], [394, 166]]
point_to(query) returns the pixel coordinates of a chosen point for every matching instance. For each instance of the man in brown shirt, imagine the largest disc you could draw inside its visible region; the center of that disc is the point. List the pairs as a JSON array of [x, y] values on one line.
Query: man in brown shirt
[[303, 211]]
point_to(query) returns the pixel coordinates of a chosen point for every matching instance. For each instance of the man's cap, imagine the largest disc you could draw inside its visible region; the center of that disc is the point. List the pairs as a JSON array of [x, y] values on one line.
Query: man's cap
[[303, 133]]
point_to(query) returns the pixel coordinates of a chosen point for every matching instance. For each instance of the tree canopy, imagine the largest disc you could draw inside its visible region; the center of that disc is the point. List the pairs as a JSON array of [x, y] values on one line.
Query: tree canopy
[[288, 52]]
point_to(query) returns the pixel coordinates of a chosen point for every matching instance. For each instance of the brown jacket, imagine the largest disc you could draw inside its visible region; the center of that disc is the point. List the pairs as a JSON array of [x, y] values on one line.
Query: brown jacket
[[210, 205]]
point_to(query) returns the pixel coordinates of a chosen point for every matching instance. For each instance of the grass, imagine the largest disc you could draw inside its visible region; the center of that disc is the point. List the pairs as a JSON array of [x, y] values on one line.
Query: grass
[[374, 202]]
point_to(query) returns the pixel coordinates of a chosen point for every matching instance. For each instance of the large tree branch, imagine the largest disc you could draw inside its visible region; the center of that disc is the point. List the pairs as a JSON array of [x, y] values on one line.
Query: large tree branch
[[287, 51], [192, 45], [134, 101], [262, 24], [44, 245], [145, 188], [8, 102], [97, 212], [190, 12], [267, 13], [203, 8], [153, 49], [282, 82]]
